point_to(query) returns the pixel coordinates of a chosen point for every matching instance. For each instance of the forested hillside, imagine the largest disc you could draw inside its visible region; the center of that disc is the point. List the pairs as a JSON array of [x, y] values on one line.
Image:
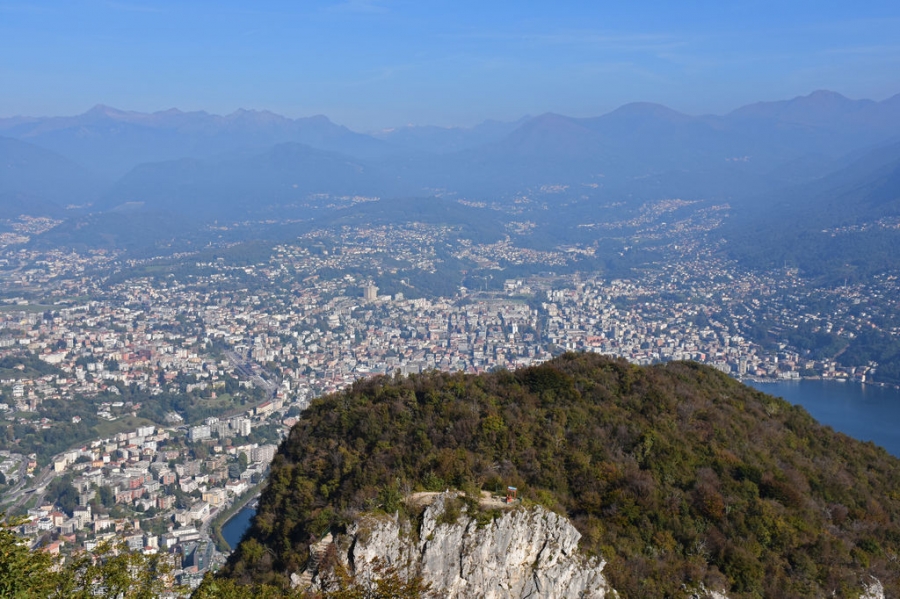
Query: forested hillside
[[675, 473]]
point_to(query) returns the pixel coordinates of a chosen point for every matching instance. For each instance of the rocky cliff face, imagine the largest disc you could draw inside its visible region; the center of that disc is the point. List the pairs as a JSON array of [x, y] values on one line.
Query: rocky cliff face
[[522, 553], [873, 590]]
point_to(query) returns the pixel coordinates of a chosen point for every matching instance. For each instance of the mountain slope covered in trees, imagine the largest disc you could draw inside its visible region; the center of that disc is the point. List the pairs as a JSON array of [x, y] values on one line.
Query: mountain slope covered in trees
[[676, 474]]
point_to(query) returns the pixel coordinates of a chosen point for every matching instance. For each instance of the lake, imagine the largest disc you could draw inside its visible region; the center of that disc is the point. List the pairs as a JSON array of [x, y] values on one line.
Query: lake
[[865, 412]]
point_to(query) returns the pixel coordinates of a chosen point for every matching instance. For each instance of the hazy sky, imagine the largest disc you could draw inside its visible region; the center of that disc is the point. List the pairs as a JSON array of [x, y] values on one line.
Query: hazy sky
[[378, 63]]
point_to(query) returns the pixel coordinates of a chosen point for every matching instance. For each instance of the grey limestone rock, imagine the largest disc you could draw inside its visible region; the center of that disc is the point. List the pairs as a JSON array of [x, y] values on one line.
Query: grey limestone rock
[[523, 553]]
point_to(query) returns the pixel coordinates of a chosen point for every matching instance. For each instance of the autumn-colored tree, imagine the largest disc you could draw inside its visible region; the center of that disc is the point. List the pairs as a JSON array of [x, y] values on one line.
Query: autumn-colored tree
[[386, 583], [223, 588], [109, 572], [676, 474]]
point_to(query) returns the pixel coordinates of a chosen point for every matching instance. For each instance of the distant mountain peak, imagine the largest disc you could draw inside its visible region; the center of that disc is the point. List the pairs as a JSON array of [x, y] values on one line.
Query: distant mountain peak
[[823, 98], [551, 133], [812, 108], [549, 122], [647, 109], [549, 119], [252, 117], [895, 99], [319, 119], [824, 94], [252, 112], [104, 110]]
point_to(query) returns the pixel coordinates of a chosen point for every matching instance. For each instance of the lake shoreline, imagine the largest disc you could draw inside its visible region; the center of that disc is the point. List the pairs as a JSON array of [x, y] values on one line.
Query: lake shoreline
[[766, 381], [865, 411]]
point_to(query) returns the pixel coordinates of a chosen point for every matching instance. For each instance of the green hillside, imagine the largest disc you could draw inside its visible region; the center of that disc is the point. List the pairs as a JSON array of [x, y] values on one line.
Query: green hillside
[[676, 474]]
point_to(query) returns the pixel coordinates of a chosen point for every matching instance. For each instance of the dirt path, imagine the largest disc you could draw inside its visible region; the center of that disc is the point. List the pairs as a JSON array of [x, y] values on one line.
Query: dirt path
[[486, 501]]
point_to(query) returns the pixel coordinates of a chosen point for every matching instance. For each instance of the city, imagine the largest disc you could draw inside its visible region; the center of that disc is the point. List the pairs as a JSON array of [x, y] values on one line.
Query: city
[[144, 406]]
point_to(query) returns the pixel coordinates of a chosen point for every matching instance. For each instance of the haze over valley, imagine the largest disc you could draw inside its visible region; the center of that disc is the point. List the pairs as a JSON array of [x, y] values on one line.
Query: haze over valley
[[506, 346], [769, 162]]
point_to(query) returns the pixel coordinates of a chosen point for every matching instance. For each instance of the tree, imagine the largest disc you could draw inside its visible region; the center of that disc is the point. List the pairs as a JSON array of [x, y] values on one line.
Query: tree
[[200, 451], [23, 573], [108, 573], [386, 583], [113, 572], [106, 496], [61, 492], [218, 588]]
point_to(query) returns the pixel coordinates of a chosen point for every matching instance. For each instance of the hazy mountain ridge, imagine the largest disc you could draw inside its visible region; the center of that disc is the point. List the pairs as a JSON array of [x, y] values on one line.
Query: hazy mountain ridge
[[256, 163], [114, 141], [821, 108], [109, 139], [445, 140], [34, 180], [843, 224], [285, 174], [728, 156]]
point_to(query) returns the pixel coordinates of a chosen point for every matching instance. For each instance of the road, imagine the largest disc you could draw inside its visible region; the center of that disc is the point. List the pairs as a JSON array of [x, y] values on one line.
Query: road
[[204, 528], [32, 488], [21, 482]]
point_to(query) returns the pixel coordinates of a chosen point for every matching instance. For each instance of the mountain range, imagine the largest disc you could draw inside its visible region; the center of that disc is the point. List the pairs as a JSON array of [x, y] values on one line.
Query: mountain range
[[38, 181], [761, 159], [844, 224], [111, 142]]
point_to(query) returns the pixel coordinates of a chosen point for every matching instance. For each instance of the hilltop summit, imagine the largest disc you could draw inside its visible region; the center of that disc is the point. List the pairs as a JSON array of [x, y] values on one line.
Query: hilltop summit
[[679, 477]]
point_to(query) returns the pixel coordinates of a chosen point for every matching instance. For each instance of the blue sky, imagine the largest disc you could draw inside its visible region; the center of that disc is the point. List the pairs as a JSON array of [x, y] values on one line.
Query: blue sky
[[378, 63]]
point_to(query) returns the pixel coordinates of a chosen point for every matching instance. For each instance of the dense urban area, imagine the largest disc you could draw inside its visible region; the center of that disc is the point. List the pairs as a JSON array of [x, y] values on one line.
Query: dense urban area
[[143, 399]]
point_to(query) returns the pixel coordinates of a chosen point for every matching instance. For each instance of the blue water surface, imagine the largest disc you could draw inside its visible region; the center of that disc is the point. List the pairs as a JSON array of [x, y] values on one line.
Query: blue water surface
[[865, 412], [235, 527]]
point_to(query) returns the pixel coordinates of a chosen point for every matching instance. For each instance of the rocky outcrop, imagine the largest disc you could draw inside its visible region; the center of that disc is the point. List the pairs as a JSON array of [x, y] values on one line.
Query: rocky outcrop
[[873, 590], [521, 553]]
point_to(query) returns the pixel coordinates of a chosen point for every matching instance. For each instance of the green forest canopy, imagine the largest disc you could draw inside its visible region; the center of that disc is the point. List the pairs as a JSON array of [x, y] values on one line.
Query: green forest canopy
[[675, 473]]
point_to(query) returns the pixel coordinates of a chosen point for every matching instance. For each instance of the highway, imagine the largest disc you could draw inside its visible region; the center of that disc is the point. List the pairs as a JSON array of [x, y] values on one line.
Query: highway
[[34, 487]]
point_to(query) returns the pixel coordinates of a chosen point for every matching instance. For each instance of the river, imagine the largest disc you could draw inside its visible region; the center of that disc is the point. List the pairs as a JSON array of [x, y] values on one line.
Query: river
[[865, 412], [236, 526]]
